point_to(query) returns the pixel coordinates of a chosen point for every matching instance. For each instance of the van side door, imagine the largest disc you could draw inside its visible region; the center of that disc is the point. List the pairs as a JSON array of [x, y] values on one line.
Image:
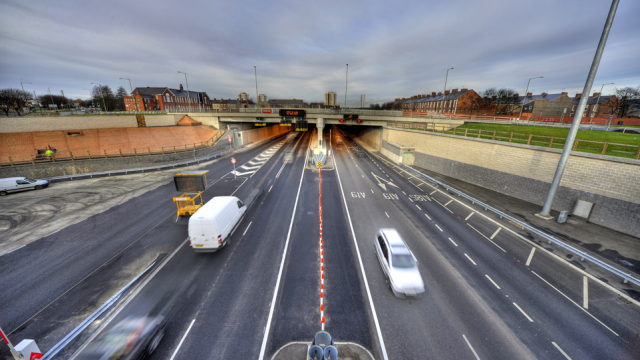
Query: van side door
[[23, 185], [384, 256]]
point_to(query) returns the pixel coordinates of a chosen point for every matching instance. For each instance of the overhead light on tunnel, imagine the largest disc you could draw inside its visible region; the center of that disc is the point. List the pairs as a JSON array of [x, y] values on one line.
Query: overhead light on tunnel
[[341, 120], [359, 121]]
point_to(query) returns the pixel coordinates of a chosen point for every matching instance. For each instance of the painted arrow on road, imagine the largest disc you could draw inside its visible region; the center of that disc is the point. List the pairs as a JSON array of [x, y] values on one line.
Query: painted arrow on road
[[381, 180]]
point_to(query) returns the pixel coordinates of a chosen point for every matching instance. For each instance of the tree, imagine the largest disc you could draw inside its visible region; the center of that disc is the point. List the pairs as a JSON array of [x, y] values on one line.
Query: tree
[[58, 100], [628, 99], [13, 99], [104, 97], [375, 107], [120, 94], [505, 100]]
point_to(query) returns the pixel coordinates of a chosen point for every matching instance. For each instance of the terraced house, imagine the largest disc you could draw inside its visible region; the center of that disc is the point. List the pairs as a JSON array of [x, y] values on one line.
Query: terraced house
[[453, 102], [166, 99]]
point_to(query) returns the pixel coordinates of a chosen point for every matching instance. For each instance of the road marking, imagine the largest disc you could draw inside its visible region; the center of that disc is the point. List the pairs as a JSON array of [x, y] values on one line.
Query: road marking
[[404, 193], [438, 227], [471, 347], [427, 216], [533, 250], [443, 206], [417, 206], [585, 292], [245, 230], [386, 214], [498, 246], [470, 259], [449, 202], [468, 216], [433, 192], [493, 282], [580, 307], [363, 176], [284, 253], [364, 275], [495, 233], [454, 243], [372, 191], [561, 351], [270, 188], [181, 341], [523, 313], [282, 168]]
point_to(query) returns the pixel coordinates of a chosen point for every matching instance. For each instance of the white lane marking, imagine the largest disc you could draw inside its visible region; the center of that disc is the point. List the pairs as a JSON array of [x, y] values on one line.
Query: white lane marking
[[270, 188], [585, 292], [404, 193], [467, 218], [284, 253], [282, 168], [471, 347], [579, 307], [364, 276], [181, 341], [245, 230], [533, 250], [433, 192], [438, 227], [386, 214], [15, 249], [523, 313], [372, 191], [493, 282], [449, 202], [470, 259], [363, 176], [561, 351], [443, 206], [410, 199], [418, 207], [498, 246], [427, 216], [495, 233], [454, 243]]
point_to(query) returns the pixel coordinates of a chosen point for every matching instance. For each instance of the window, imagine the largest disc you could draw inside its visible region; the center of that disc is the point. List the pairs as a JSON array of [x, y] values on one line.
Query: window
[[240, 204], [383, 247]]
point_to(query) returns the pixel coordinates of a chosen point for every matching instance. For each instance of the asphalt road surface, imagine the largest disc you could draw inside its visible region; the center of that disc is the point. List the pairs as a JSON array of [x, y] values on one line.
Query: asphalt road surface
[[486, 296]]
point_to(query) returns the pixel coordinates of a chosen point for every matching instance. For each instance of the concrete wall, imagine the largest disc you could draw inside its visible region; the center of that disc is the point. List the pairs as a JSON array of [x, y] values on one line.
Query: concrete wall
[[251, 136], [163, 120], [525, 172], [209, 119], [54, 123]]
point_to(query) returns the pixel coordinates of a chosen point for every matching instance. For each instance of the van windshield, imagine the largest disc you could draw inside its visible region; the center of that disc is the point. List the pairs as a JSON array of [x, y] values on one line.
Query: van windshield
[[402, 260]]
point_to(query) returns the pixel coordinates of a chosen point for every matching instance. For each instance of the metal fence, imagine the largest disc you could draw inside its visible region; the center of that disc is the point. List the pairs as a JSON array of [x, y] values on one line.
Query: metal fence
[[26, 160]]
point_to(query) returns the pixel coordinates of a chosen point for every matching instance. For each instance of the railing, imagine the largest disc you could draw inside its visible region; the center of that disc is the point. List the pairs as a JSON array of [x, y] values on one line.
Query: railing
[[25, 160], [589, 146]]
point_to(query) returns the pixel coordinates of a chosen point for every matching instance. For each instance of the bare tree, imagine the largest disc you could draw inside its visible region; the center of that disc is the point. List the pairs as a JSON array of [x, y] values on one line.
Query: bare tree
[[119, 98], [13, 99], [507, 101], [628, 98], [58, 100]]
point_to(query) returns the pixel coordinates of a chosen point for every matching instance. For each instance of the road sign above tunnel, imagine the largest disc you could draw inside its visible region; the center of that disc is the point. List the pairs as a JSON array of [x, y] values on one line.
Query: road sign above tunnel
[[351, 116], [293, 112]]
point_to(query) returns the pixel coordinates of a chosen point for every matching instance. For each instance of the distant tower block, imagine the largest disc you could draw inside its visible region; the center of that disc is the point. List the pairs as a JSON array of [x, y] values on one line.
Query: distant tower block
[[262, 98], [243, 96], [330, 98], [361, 101]]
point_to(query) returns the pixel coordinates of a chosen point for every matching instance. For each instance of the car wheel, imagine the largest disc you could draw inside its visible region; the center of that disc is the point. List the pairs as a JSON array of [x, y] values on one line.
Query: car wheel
[[155, 341], [3, 193], [38, 187]]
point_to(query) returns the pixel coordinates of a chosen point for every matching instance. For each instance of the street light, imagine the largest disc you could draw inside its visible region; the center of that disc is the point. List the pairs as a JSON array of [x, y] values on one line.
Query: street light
[[188, 92], [23, 92], [345, 87], [595, 107], [102, 94], [255, 70], [445, 88], [130, 87], [525, 94]]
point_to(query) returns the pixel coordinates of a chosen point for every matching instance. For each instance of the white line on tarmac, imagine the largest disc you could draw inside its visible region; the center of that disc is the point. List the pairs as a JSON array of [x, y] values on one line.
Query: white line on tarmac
[[585, 293], [372, 191], [364, 275], [181, 341], [523, 313], [404, 193], [470, 259], [284, 253], [561, 351], [471, 347], [580, 307], [433, 192], [468, 216], [533, 250], [443, 206], [454, 243], [282, 168], [449, 202], [386, 214], [478, 231], [493, 282], [270, 188], [245, 230], [438, 227], [418, 207], [495, 233], [427, 216]]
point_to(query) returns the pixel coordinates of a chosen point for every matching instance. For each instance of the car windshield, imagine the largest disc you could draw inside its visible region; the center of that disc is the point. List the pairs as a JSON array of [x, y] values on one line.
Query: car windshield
[[402, 260]]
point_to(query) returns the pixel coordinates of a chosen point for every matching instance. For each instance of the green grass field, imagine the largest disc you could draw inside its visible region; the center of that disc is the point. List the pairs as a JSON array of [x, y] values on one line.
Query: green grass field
[[591, 141]]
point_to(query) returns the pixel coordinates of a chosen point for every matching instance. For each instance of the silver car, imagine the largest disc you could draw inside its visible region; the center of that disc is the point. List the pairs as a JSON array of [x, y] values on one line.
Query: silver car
[[398, 263]]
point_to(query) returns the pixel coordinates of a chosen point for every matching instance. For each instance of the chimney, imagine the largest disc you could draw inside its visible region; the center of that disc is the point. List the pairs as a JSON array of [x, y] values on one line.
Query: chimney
[[494, 97], [529, 94], [181, 87], [446, 92], [433, 93], [463, 90], [424, 95], [595, 95], [565, 93], [454, 91], [516, 95], [440, 93], [397, 99], [544, 94], [578, 96]]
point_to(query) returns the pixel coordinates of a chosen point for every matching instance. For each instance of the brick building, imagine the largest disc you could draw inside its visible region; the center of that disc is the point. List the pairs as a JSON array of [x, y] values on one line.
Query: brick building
[[542, 105], [455, 102], [166, 99], [605, 107]]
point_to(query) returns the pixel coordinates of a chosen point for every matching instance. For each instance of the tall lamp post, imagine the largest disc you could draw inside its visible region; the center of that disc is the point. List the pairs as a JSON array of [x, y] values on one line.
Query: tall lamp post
[[597, 104], [102, 94], [445, 89], [564, 158], [524, 98], [255, 70], [346, 83], [51, 96], [131, 87], [23, 92], [188, 92]]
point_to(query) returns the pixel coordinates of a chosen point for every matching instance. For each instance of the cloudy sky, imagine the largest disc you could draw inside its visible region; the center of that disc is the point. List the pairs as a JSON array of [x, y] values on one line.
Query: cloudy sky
[[301, 48]]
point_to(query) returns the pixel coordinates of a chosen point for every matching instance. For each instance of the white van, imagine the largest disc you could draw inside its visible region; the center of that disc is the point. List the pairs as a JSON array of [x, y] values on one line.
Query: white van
[[211, 226], [13, 184]]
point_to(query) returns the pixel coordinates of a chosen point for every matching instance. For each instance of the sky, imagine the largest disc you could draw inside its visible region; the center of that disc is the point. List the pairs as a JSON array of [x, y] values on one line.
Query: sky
[[300, 48]]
